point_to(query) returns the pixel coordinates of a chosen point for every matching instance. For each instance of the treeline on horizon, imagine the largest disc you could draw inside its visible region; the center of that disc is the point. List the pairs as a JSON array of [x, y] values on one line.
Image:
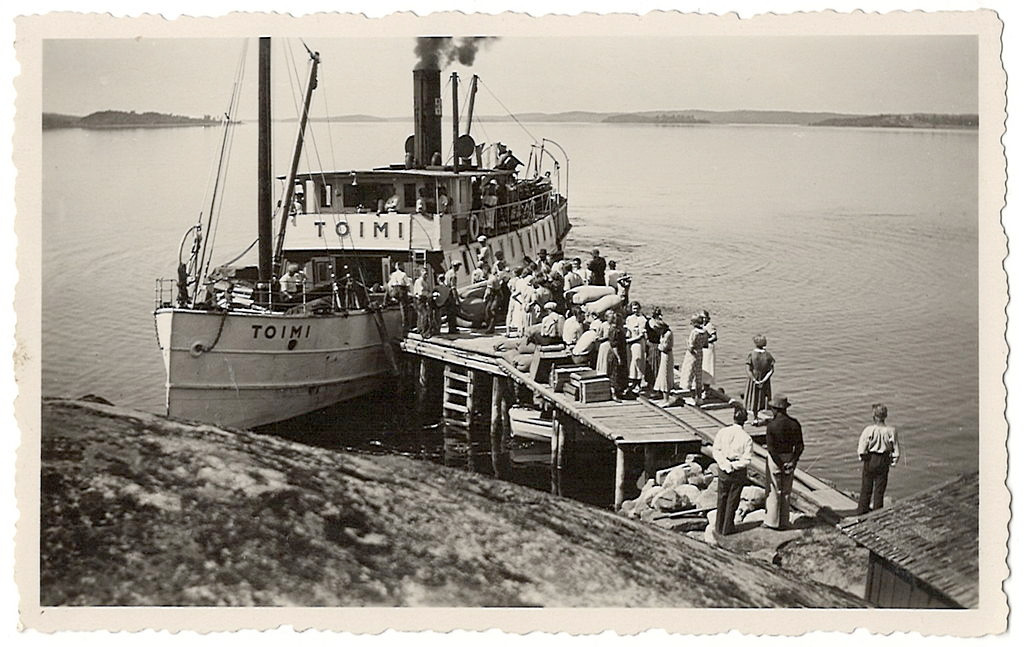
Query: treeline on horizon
[[124, 119], [915, 120]]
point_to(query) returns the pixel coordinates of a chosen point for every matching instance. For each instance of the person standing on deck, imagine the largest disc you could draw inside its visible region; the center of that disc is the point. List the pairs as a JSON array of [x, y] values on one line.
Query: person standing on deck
[[596, 268], [399, 285], [665, 379], [492, 301], [785, 443], [292, 283], [451, 305], [484, 255], [617, 358], [693, 361], [878, 449], [613, 275], [573, 278], [708, 365], [760, 367], [423, 294], [543, 261], [636, 330], [490, 204], [731, 451]]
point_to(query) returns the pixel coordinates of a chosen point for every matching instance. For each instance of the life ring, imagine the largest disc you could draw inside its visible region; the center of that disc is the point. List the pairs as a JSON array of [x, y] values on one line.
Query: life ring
[[474, 226]]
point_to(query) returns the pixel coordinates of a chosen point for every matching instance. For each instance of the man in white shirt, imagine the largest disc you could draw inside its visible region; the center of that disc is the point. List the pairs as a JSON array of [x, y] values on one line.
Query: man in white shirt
[[423, 295], [732, 450], [573, 328], [291, 283], [613, 275], [573, 278], [551, 325], [399, 285], [484, 255], [878, 448]]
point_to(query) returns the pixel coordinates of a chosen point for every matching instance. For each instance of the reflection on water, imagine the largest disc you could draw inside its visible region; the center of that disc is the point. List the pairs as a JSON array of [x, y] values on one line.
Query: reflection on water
[[853, 251]]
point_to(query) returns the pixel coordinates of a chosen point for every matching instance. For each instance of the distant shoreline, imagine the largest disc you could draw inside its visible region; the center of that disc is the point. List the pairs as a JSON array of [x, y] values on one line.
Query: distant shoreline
[[905, 121]]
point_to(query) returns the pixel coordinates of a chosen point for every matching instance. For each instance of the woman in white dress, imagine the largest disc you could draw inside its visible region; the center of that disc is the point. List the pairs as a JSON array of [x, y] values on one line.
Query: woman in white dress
[[514, 317], [604, 349], [708, 365], [636, 328]]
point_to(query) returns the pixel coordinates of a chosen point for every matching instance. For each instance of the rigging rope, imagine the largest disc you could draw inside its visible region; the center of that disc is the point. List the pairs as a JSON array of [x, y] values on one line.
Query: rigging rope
[[507, 111], [202, 266]]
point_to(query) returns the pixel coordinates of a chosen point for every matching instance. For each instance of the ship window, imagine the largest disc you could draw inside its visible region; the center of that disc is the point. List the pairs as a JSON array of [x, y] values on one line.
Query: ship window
[[409, 194], [325, 195]]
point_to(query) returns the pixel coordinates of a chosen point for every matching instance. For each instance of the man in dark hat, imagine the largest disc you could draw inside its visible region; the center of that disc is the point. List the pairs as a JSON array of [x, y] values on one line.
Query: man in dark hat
[[596, 267], [784, 441]]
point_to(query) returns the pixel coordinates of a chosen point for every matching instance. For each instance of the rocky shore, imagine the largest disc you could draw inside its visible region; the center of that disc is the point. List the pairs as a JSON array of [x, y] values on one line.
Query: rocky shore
[[140, 510]]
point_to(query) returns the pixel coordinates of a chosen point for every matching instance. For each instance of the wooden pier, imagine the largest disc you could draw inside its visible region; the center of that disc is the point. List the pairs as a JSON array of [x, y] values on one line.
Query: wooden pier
[[480, 386]]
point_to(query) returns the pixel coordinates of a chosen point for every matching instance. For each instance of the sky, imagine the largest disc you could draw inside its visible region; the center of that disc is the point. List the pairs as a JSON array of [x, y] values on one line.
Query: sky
[[854, 74]]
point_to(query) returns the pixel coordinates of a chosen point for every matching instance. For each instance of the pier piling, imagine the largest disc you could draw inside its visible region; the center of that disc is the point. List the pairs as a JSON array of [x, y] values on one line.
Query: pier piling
[[500, 430]]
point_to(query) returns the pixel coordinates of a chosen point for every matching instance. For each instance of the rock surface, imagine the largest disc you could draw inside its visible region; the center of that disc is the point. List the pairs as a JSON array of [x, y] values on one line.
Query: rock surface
[[140, 510]]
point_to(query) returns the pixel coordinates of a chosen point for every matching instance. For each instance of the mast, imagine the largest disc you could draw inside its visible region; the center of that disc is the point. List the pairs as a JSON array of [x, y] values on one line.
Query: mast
[[265, 195], [289, 187], [472, 101], [455, 120]]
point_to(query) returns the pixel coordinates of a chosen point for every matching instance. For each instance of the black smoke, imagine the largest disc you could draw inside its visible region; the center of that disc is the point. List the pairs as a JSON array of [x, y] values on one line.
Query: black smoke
[[438, 52]]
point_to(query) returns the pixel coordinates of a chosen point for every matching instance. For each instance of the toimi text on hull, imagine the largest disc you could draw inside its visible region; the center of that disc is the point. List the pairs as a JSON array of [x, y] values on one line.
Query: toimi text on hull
[[312, 324]]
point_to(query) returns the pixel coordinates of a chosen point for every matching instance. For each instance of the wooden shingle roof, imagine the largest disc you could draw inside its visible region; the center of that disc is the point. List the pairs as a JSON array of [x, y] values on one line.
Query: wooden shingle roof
[[932, 535]]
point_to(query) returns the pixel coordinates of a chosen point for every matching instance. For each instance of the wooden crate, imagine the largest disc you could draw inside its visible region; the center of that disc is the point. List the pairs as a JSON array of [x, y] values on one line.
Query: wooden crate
[[560, 375], [596, 389]]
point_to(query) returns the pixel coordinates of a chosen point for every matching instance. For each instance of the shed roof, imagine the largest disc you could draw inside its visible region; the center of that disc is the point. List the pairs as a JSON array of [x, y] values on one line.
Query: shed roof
[[932, 535]]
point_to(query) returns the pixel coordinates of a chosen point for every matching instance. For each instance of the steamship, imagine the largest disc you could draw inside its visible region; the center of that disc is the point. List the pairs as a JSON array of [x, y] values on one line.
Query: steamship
[[238, 353]]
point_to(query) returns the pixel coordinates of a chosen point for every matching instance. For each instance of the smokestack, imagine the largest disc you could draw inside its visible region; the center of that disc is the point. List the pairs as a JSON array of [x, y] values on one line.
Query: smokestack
[[426, 98]]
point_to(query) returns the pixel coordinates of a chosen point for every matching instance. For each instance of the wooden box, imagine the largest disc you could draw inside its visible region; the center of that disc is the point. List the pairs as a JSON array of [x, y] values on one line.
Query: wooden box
[[544, 360], [596, 389], [560, 375]]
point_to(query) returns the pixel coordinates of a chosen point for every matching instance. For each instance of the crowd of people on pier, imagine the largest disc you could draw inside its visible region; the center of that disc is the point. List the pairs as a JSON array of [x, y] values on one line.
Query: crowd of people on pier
[[539, 303]]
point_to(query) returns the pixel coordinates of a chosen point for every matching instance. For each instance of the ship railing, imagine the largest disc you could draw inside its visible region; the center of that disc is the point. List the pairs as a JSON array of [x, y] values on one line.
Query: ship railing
[[509, 215], [165, 292]]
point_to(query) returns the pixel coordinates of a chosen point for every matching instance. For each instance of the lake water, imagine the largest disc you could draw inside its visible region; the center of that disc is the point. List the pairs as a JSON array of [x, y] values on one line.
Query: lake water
[[853, 250]]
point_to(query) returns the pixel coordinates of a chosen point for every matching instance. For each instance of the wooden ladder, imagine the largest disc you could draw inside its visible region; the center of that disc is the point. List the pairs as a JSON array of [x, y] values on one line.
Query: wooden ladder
[[457, 416]]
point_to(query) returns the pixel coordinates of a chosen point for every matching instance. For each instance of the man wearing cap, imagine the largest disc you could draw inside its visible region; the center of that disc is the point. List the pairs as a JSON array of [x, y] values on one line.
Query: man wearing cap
[[484, 255], [551, 325], [596, 268], [784, 441]]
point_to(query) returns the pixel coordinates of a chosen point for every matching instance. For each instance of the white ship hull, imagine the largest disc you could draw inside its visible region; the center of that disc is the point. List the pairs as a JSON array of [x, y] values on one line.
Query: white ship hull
[[243, 369]]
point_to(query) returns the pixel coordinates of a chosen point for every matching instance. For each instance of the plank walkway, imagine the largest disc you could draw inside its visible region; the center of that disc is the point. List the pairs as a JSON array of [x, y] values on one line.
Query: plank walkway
[[630, 423]]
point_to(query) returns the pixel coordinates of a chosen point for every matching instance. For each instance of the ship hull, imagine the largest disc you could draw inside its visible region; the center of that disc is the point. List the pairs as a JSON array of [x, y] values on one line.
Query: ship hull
[[245, 370]]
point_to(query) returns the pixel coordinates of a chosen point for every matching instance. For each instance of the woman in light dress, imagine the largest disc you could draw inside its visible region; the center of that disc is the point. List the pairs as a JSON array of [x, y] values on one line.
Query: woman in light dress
[[514, 317], [666, 378], [604, 349], [694, 359], [636, 329], [708, 363]]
